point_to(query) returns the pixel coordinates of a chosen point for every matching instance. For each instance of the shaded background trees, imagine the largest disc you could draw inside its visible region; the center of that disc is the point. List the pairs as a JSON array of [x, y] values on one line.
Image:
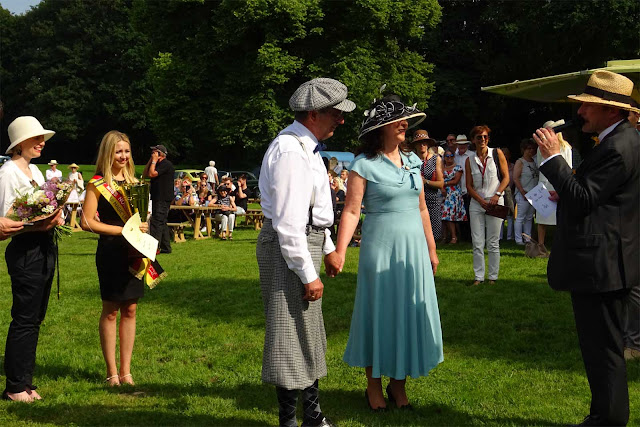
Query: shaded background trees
[[211, 79]]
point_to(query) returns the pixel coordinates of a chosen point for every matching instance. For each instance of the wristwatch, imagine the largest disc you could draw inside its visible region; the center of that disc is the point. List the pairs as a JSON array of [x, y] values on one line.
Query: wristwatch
[[499, 193]]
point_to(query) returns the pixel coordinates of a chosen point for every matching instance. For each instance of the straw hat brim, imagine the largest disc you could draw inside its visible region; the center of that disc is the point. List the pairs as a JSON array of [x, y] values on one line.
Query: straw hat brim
[[592, 99], [413, 119], [46, 133]]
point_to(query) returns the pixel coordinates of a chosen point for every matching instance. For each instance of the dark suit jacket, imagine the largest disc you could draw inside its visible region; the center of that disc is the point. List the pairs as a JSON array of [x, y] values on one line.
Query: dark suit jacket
[[596, 242]]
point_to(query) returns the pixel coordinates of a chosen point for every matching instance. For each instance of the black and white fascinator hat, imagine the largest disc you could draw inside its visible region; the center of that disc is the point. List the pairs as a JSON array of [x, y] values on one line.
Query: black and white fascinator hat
[[387, 110]]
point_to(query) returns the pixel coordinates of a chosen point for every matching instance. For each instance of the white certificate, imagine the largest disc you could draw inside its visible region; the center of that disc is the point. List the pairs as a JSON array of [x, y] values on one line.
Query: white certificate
[[539, 198], [146, 244]]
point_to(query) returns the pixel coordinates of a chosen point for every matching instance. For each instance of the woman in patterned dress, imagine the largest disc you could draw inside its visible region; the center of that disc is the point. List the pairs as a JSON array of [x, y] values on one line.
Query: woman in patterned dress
[[432, 179], [453, 207]]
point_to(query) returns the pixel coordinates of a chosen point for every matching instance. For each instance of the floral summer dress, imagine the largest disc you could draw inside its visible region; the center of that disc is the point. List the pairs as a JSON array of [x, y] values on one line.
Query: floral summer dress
[[453, 206]]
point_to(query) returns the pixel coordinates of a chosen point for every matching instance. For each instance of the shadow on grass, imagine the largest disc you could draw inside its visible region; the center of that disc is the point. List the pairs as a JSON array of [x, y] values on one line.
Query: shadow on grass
[[339, 406]]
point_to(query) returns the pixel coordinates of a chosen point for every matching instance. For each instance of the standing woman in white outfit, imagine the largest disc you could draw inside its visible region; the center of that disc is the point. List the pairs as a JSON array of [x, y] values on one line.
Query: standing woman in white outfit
[[78, 184], [525, 177], [485, 190], [30, 258], [565, 151]]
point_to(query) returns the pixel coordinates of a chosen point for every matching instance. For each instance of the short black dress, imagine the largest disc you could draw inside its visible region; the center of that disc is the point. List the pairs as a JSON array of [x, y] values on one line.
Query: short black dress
[[117, 284]]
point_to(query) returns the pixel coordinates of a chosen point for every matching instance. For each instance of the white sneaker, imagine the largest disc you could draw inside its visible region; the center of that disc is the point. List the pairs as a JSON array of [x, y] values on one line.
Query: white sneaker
[[203, 230]]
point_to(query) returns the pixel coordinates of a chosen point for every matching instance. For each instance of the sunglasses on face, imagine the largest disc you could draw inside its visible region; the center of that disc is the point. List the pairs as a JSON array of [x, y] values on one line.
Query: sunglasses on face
[[448, 155]]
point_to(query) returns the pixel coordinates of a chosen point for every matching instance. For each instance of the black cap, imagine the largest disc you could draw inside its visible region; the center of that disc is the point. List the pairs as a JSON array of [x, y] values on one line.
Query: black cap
[[160, 148]]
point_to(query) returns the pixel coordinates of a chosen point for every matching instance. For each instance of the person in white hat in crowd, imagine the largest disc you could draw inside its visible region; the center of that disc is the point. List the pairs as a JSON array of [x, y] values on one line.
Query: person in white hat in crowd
[[212, 175], [53, 173], [296, 202], [160, 170], [395, 327], [78, 183], [30, 258], [597, 238], [462, 154], [565, 150]]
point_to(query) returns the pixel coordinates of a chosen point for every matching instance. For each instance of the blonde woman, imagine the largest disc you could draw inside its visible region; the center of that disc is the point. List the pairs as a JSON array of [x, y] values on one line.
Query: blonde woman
[[30, 258], [119, 288]]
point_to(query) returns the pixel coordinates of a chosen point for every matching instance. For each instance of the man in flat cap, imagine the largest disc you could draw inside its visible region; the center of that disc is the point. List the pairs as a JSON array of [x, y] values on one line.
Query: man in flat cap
[[597, 240], [298, 212]]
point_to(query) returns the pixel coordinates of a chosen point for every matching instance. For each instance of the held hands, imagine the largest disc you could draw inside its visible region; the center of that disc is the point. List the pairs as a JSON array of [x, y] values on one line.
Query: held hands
[[313, 290], [548, 142], [333, 264]]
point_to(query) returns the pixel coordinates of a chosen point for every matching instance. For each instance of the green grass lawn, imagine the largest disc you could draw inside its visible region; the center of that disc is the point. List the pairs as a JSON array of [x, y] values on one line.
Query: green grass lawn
[[511, 353]]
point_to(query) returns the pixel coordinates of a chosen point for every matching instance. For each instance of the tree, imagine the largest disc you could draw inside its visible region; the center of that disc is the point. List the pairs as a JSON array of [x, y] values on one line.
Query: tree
[[223, 70], [77, 66]]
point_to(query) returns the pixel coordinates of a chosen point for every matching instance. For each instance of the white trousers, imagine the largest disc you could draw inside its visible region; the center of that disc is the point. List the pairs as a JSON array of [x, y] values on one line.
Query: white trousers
[[524, 219], [226, 221], [485, 230]]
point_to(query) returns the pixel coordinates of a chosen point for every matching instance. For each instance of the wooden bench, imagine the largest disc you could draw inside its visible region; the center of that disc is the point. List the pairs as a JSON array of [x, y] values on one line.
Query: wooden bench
[[178, 230], [255, 217]]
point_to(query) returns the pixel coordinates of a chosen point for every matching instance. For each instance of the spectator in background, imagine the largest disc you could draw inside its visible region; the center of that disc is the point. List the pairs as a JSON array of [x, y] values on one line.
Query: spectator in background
[[53, 174], [212, 175], [204, 193], [508, 193], [160, 170], [452, 142], [462, 154], [225, 216], [241, 195], [204, 178], [525, 177], [486, 191], [78, 184], [432, 179], [344, 176], [453, 206], [566, 152]]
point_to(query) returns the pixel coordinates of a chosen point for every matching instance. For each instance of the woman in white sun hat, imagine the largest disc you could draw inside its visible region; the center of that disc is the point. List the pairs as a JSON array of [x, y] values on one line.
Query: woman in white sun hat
[[30, 258]]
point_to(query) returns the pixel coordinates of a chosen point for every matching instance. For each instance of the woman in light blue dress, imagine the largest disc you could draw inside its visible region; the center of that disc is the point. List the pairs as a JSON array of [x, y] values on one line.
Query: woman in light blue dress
[[395, 327]]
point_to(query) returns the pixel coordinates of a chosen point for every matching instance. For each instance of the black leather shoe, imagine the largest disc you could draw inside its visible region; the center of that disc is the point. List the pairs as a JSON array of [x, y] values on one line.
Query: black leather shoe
[[380, 409], [392, 399], [591, 420]]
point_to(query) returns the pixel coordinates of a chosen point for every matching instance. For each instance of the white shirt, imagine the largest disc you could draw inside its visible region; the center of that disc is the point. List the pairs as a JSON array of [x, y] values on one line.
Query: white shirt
[[461, 160], [12, 179], [211, 174], [288, 178], [51, 174], [487, 187]]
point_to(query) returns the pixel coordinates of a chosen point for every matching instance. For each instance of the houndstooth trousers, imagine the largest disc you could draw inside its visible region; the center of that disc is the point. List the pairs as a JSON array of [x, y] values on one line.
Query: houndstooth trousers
[[295, 342]]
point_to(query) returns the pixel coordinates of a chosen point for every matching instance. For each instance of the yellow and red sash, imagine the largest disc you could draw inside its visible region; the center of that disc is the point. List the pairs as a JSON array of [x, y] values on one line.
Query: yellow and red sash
[[150, 272]]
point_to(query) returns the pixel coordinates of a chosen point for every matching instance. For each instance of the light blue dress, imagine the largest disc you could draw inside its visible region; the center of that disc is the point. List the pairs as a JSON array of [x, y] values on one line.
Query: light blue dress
[[395, 326]]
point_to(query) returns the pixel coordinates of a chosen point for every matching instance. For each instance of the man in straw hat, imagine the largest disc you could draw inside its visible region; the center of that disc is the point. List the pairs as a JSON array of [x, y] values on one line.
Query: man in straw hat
[[597, 241], [298, 211]]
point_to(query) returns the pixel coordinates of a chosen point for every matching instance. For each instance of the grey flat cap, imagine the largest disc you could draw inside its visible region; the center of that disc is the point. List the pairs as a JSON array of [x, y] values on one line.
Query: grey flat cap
[[320, 93]]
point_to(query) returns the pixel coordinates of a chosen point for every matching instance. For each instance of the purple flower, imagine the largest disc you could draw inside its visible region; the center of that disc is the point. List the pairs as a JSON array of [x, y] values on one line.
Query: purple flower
[[50, 194]]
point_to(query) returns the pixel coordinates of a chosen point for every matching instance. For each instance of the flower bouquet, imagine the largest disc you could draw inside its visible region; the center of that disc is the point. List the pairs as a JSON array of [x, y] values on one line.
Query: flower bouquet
[[41, 203]]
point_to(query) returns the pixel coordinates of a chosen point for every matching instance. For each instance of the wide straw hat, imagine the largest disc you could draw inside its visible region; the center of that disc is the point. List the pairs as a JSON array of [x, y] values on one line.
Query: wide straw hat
[[26, 127], [421, 135], [73, 165], [607, 88], [53, 162], [389, 110]]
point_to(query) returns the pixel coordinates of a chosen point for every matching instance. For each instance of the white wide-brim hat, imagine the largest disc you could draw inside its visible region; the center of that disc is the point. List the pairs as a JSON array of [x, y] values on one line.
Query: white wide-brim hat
[[26, 127], [53, 162]]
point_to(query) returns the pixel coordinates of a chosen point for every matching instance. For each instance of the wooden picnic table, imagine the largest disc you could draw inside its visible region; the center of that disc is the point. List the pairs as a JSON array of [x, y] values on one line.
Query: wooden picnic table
[[73, 219], [197, 222]]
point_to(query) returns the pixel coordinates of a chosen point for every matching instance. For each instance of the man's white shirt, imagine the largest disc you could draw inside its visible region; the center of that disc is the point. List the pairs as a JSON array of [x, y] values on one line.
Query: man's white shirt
[[461, 160], [290, 174]]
